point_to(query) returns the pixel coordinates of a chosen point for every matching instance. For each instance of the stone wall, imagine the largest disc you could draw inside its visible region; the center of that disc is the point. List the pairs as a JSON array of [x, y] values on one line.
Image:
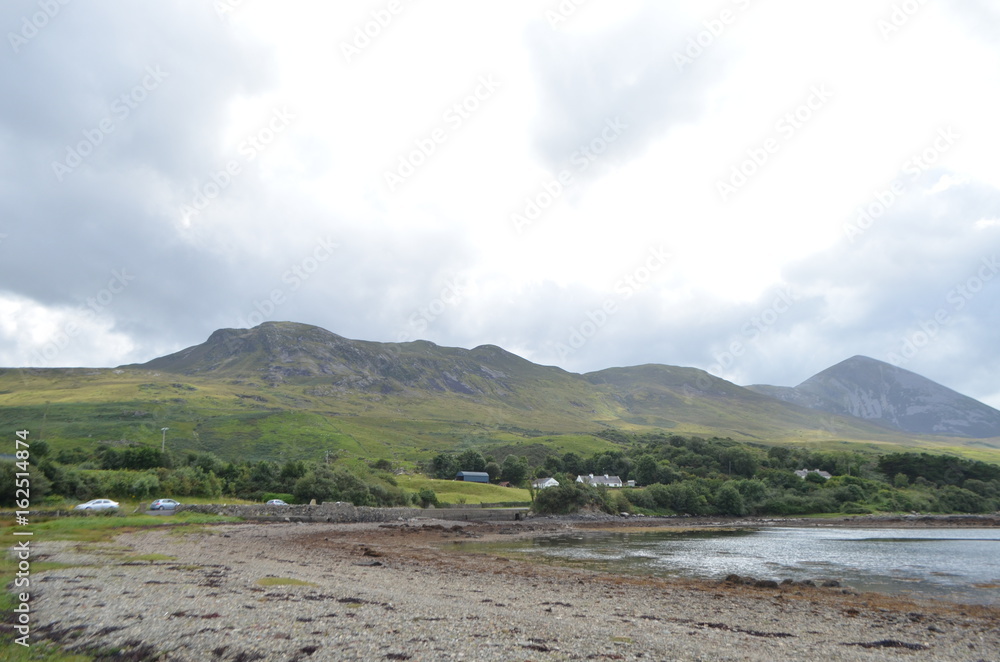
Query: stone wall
[[346, 512]]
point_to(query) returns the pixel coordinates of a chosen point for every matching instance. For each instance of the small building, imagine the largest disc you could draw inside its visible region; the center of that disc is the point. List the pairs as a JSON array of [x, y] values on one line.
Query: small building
[[473, 476], [542, 483], [802, 473], [605, 480]]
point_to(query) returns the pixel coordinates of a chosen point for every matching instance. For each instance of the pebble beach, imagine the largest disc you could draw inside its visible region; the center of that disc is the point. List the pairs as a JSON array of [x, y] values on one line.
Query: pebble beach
[[407, 591]]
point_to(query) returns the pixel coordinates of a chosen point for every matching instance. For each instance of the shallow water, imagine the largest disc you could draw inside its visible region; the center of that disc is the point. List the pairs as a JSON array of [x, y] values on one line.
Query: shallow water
[[961, 565]]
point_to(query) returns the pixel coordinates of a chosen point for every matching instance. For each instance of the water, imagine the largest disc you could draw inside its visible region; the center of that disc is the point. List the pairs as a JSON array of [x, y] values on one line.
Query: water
[[960, 565]]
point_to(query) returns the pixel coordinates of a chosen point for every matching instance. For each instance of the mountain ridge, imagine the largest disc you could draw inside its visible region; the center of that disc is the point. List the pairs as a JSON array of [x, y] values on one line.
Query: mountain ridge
[[849, 395]]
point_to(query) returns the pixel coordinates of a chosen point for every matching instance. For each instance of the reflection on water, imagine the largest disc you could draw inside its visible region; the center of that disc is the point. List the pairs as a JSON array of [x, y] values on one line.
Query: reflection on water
[[962, 565]]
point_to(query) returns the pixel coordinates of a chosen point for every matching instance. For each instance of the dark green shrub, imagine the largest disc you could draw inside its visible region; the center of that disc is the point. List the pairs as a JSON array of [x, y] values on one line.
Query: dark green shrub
[[427, 497]]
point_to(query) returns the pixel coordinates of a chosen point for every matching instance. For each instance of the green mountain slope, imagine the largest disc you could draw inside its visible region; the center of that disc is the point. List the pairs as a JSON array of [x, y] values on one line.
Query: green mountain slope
[[288, 391]]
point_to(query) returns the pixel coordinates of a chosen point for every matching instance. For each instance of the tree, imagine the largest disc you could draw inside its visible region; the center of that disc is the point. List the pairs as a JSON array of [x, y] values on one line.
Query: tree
[[471, 460], [646, 470], [552, 465], [514, 469], [729, 501], [738, 461], [291, 471], [426, 497], [325, 484], [265, 476], [572, 463], [493, 469], [444, 466], [570, 498]]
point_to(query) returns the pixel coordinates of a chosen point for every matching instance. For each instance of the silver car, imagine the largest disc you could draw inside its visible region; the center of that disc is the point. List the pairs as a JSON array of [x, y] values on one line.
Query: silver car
[[98, 504]]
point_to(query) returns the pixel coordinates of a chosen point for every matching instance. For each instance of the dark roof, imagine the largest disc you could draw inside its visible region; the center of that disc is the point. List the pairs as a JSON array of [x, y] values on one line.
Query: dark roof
[[473, 473]]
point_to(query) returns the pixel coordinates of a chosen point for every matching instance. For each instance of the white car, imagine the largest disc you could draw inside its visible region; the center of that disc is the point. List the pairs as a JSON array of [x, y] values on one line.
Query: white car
[[98, 504]]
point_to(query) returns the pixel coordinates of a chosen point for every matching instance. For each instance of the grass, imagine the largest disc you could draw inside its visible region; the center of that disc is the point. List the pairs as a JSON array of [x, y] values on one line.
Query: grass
[[457, 491], [246, 419], [103, 528]]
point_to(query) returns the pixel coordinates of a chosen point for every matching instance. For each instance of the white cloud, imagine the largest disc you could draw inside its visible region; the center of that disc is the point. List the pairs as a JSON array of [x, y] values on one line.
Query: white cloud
[[753, 87]]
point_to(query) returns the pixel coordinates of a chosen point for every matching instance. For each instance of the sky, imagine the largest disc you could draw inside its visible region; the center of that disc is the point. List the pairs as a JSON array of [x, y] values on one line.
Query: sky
[[760, 189]]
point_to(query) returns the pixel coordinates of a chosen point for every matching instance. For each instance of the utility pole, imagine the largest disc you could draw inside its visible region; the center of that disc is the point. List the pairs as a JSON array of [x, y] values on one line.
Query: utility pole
[[163, 443]]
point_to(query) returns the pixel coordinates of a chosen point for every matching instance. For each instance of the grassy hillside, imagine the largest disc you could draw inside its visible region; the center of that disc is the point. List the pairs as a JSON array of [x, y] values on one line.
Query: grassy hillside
[[287, 391]]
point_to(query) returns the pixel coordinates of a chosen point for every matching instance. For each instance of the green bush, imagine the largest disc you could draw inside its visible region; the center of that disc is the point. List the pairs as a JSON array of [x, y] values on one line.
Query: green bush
[[729, 501], [427, 497], [571, 498]]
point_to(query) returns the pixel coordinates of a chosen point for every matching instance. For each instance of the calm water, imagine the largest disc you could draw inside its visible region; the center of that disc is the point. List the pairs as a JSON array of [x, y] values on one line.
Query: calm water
[[962, 565]]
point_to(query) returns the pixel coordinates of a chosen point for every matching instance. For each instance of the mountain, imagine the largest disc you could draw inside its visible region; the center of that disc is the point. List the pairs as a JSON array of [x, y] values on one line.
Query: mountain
[[295, 391], [890, 396], [658, 396]]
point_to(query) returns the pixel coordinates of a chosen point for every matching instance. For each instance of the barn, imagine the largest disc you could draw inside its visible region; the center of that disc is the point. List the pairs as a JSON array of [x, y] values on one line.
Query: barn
[[473, 476]]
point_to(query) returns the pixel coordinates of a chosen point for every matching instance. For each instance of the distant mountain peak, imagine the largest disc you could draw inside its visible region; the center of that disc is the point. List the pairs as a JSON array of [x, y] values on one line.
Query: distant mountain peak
[[886, 394]]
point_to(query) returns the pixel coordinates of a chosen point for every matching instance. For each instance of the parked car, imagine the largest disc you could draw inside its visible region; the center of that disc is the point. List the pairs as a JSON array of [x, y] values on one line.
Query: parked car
[[98, 504], [163, 504], [276, 502]]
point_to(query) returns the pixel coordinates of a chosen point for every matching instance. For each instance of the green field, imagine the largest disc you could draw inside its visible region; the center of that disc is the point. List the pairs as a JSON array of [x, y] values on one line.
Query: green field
[[457, 491]]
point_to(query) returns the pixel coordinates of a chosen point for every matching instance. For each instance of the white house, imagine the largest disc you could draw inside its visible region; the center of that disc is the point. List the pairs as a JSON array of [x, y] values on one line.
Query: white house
[[605, 480], [542, 483], [802, 473]]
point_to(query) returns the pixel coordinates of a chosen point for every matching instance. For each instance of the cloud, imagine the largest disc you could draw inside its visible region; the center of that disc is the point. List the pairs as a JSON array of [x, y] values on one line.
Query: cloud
[[198, 172]]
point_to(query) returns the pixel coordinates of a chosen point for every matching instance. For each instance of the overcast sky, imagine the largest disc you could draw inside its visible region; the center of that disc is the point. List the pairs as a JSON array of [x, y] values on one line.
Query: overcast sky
[[759, 189]]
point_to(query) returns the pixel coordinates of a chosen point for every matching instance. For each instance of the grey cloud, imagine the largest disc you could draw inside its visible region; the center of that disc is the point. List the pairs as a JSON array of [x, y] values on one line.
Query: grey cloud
[[628, 73]]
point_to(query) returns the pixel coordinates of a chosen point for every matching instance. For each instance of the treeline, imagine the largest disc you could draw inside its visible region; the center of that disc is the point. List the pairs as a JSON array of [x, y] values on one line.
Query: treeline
[[674, 475], [695, 476], [143, 472]]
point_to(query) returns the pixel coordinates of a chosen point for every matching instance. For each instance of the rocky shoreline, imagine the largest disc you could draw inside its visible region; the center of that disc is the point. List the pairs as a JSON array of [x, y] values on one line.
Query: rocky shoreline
[[405, 591]]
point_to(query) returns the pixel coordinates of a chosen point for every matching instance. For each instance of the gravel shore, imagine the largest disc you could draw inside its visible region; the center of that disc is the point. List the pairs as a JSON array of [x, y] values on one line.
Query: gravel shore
[[403, 591]]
